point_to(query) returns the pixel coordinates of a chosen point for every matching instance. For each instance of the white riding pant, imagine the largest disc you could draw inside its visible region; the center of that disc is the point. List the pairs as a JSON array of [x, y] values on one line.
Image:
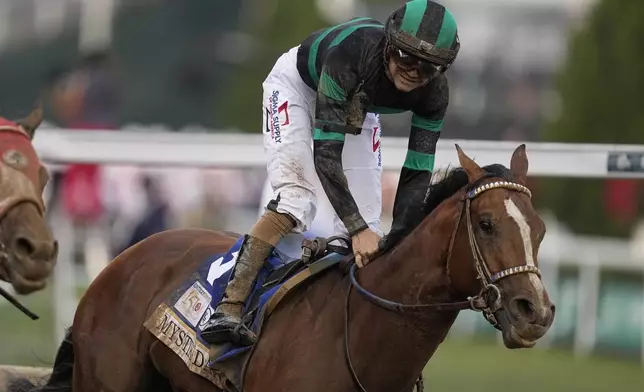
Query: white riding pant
[[288, 114]]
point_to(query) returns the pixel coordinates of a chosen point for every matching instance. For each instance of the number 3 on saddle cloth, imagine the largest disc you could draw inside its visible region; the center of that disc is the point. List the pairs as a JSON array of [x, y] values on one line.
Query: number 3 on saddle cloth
[[178, 321]]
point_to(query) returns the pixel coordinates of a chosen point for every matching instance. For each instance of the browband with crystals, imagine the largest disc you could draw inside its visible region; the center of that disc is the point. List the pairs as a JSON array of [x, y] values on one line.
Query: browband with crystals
[[498, 184]]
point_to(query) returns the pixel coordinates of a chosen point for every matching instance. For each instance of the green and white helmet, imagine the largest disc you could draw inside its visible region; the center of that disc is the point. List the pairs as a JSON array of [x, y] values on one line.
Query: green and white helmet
[[424, 29]]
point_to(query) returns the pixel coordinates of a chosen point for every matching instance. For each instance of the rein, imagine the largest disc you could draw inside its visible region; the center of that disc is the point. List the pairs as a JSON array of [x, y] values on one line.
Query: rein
[[480, 302], [13, 301]]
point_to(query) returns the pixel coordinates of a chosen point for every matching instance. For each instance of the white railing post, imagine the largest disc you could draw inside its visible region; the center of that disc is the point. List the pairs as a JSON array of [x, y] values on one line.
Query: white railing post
[[588, 297], [64, 281]]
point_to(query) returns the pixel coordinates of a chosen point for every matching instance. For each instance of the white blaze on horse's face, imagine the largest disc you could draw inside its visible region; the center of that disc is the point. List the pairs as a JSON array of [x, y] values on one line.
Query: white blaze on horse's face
[[524, 230]]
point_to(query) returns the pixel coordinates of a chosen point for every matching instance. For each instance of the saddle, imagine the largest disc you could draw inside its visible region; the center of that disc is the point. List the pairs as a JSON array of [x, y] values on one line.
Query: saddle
[[296, 259]]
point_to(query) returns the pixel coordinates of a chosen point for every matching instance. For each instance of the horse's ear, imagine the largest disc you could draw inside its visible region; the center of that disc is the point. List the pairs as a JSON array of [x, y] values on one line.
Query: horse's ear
[[473, 170], [519, 164], [33, 120]]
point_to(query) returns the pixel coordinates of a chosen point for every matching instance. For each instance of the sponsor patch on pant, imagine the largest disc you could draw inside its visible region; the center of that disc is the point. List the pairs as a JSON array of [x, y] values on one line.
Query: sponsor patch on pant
[[376, 143]]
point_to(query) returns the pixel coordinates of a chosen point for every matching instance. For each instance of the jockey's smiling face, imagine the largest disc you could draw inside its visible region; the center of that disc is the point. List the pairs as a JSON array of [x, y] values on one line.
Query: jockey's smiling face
[[408, 72]]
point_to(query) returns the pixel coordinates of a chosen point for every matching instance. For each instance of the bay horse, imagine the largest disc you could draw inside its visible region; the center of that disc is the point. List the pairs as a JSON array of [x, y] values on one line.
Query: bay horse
[[28, 250], [372, 329]]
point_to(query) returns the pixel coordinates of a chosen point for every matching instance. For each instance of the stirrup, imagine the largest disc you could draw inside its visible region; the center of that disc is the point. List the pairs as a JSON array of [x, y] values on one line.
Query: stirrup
[[224, 328]]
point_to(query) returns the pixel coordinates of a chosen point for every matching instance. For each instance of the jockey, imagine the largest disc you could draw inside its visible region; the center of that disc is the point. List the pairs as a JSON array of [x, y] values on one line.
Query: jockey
[[321, 97]]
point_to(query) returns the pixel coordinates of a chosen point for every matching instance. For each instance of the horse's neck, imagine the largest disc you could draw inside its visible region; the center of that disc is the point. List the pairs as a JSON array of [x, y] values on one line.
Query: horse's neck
[[394, 346], [416, 270]]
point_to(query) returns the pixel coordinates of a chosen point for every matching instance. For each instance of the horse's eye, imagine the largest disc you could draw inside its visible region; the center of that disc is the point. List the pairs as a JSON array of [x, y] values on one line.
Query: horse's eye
[[486, 226]]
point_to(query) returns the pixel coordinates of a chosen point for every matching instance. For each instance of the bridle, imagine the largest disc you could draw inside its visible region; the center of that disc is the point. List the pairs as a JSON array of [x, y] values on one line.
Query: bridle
[[16, 156], [488, 301], [11, 157]]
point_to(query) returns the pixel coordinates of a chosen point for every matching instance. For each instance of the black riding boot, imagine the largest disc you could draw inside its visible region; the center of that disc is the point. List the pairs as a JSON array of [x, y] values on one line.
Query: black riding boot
[[225, 324]]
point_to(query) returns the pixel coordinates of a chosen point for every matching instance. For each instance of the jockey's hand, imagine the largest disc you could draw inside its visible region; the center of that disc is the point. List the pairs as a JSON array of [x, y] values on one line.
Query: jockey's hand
[[364, 244]]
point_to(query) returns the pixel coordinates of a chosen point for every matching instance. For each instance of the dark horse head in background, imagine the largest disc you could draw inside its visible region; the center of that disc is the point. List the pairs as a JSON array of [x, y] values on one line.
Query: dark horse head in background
[[372, 329], [28, 250]]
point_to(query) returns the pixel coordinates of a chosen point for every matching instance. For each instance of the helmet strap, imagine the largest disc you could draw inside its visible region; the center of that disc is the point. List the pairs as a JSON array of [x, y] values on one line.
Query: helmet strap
[[386, 60]]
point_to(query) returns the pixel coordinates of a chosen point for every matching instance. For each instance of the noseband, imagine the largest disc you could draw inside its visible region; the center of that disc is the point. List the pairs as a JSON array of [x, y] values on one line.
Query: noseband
[[488, 301], [17, 153]]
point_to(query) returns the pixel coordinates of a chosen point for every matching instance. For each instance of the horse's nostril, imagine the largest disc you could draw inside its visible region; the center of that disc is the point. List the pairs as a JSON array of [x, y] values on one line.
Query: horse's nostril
[[54, 252], [524, 308], [24, 246]]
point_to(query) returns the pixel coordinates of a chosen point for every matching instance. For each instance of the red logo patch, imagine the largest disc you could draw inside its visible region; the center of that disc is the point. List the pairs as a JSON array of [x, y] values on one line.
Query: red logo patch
[[374, 142]]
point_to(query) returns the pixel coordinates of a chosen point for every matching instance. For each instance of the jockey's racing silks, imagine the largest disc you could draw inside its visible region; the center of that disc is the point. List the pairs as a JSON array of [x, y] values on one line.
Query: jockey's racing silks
[[345, 65]]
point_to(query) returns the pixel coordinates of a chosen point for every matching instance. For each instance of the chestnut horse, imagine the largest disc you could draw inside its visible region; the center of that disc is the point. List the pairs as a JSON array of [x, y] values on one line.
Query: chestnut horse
[[28, 250], [372, 329]]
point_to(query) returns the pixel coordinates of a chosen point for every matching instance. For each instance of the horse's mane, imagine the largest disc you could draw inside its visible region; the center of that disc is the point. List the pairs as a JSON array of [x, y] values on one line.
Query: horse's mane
[[451, 180], [455, 179]]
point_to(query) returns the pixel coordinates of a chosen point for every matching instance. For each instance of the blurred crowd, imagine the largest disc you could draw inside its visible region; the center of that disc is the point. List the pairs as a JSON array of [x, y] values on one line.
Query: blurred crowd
[[502, 88]]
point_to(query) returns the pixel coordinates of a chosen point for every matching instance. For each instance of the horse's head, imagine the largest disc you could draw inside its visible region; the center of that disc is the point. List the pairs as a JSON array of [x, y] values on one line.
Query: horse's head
[[28, 250], [499, 233]]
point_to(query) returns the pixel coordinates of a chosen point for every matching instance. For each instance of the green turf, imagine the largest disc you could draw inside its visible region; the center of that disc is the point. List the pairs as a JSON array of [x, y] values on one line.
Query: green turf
[[459, 365], [24, 341]]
